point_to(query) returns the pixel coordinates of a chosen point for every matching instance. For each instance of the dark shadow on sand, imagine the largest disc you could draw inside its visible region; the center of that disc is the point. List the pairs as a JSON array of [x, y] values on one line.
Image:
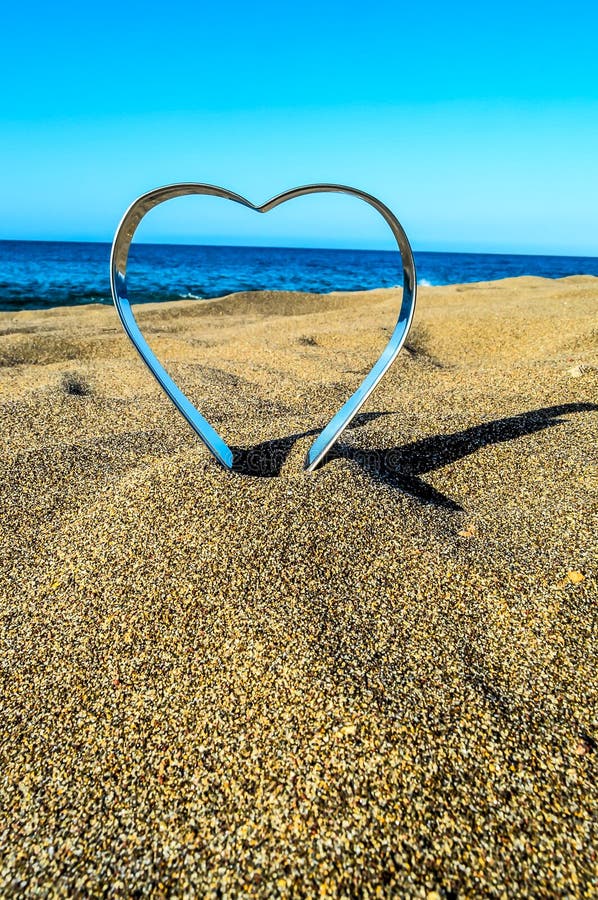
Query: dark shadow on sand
[[266, 460], [401, 467]]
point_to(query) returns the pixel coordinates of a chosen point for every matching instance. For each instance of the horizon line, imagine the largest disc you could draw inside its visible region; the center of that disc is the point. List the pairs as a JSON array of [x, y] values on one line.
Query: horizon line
[[284, 247]]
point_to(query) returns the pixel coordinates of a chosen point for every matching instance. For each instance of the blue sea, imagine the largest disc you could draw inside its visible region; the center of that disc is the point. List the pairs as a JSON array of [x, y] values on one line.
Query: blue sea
[[42, 274]]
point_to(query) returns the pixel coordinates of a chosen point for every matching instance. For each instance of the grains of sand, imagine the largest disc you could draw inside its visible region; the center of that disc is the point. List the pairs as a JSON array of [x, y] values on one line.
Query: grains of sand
[[375, 680]]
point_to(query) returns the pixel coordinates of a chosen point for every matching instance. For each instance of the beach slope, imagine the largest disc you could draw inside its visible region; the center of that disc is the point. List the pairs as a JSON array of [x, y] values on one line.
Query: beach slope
[[378, 679]]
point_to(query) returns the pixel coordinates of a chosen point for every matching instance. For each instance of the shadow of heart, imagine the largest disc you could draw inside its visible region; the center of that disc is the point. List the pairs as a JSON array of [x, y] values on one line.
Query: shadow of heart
[[265, 460], [400, 467]]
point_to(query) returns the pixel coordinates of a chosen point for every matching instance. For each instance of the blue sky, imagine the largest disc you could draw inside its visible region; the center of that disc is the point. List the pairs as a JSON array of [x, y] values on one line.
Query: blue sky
[[476, 123]]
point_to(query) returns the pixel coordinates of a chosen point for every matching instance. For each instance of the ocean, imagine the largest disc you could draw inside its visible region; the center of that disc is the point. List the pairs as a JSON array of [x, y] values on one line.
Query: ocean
[[42, 274]]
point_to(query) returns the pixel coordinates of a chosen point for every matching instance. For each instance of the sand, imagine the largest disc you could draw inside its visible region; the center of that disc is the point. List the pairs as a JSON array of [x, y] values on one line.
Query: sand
[[375, 680]]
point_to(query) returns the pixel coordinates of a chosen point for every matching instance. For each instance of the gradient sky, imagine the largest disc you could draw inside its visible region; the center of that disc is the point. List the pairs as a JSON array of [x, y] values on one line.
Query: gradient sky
[[476, 123]]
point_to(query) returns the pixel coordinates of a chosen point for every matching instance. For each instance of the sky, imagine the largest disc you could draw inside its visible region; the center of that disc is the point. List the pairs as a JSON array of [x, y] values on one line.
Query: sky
[[477, 123]]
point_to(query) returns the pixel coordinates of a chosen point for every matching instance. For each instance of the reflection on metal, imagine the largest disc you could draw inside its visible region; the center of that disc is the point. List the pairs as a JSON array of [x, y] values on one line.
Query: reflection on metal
[[118, 272]]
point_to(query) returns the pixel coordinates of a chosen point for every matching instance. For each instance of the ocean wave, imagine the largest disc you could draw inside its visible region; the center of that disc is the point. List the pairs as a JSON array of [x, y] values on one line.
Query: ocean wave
[[190, 296]]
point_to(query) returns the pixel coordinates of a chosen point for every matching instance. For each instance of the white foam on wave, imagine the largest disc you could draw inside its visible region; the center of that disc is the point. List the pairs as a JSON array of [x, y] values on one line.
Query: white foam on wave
[[422, 282], [190, 297]]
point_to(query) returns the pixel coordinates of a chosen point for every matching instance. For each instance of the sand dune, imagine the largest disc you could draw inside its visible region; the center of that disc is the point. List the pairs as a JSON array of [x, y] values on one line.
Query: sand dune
[[380, 677]]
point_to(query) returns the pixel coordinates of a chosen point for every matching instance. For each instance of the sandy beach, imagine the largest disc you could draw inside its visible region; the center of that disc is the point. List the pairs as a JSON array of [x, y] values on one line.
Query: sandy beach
[[375, 680]]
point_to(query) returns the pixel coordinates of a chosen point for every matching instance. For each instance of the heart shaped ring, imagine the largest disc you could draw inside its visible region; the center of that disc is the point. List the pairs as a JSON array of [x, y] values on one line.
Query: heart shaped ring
[[212, 440]]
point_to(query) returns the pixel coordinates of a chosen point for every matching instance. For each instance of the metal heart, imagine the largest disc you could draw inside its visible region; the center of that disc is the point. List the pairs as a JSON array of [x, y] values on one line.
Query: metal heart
[[212, 440]]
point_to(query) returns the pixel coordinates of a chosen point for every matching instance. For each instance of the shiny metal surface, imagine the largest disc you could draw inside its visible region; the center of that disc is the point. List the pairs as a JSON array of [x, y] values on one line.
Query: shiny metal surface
[[212, 440]]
